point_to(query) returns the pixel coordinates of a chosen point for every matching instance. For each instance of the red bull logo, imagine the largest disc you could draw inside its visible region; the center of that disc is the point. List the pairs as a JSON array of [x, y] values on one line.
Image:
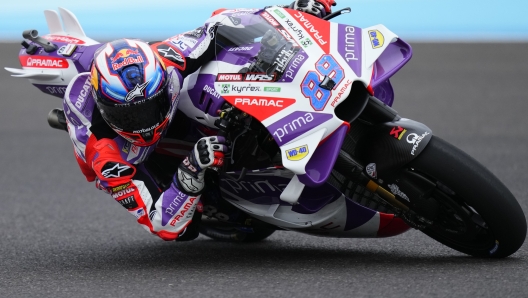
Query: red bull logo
[[124, 53], [126, 57]]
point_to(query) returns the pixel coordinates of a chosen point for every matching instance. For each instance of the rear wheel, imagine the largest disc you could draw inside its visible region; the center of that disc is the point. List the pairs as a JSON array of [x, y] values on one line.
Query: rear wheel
[[467, 208]]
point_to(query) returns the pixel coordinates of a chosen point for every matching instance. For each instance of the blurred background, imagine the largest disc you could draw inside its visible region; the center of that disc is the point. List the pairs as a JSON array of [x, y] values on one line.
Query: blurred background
[[412, 20]]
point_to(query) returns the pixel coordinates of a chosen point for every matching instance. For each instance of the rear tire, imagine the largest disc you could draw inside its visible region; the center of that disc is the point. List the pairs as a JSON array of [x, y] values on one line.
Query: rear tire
[[477, 214]]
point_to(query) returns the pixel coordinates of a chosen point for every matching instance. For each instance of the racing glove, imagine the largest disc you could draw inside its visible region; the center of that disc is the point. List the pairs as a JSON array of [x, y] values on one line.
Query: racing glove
[[318, 8], [207, 152]]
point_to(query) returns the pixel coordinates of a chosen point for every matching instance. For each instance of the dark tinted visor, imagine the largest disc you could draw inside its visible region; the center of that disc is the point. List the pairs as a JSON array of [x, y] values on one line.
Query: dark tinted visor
[[137, 117]]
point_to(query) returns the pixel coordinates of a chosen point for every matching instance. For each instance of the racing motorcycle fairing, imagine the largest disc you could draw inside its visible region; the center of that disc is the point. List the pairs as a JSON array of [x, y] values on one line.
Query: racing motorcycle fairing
[[51, 72], [296, 100], [322, 211], [395, 56]]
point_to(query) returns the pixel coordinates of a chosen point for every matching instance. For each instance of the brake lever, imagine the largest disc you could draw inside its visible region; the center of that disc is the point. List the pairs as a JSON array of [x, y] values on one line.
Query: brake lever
[[337, 13]]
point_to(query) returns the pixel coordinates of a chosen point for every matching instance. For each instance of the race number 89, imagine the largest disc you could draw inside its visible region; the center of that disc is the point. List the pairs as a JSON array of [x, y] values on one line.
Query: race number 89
[[319, 97]]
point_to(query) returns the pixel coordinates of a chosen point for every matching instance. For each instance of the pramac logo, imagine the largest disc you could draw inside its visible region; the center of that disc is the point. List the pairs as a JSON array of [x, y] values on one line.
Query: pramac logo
[[260, 107], [43, 62]]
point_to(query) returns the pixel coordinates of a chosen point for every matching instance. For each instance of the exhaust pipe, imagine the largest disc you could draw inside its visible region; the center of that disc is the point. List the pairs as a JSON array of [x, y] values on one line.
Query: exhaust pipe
[[57, 120]]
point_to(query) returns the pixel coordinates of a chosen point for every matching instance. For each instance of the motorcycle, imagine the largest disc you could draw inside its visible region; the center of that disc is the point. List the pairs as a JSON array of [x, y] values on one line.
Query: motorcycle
[[316, 147]]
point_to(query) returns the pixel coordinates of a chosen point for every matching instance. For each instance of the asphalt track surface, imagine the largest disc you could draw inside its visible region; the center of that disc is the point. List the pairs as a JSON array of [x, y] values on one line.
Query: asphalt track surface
[[60, 237]]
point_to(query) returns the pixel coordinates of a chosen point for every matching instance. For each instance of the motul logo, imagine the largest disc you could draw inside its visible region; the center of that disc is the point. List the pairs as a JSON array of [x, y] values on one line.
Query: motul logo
[[229, 77], [43, 62], [259, 77], [270, 19]]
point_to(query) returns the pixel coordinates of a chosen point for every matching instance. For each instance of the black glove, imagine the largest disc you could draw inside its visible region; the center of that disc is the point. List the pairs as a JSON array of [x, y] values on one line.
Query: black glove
[[208, 152]]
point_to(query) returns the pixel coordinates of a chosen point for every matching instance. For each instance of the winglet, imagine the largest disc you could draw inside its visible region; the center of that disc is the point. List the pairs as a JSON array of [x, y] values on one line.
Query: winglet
[[54, 23], [71, 24], [46, 75]]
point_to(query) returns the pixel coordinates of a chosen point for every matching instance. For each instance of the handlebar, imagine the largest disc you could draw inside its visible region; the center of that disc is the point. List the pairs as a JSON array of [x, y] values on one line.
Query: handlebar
[[32, 35]]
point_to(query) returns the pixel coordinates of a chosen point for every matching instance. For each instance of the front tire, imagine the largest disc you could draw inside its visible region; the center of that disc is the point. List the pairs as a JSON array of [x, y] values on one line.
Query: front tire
[[474, 212]]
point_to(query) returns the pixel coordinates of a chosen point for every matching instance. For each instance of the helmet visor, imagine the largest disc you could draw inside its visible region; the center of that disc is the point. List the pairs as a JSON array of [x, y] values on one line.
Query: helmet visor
[[140, 117]]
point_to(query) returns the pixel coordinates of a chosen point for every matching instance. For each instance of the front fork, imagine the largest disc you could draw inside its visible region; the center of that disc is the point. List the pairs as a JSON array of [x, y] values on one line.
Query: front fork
[[379, 157]]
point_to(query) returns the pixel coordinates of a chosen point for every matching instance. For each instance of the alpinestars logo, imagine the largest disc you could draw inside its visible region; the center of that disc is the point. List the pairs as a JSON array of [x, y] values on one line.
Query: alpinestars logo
[[170, 54], [190, 183], [138, 91], [116, 171]]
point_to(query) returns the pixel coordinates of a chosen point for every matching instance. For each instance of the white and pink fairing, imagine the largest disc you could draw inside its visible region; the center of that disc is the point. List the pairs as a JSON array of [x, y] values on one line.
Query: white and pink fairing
[[297, 112]]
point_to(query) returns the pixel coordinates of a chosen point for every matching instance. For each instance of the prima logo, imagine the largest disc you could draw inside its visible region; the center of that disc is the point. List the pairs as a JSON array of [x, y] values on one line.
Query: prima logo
[[296, 124], [294, 66], [293, 125]]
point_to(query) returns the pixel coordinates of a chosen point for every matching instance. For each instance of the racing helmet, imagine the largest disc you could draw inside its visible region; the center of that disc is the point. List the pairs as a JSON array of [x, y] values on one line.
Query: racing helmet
[[132, 90]]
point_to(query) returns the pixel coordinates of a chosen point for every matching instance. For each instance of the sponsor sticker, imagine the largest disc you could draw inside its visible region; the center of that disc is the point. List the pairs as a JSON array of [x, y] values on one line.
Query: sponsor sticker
[[248, 77], [349, 46], [270, 19], [306, 42], [416, 140], [398, 132], [126, 57], [65, 39], [376, 39], [296, 124], [260, 107], [67, 50], [43, 62], [120, 187], [272, 89], [225, 88], [320, 32], [297, 153], [279, 13], [229, 77], [372, 170]]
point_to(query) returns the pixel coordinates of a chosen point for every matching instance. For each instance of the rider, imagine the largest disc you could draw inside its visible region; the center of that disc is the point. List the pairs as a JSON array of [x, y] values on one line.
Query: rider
[[117, 114]]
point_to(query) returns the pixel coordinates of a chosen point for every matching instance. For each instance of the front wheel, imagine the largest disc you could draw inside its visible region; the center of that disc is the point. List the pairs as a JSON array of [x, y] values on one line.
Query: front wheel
[[467, 208]]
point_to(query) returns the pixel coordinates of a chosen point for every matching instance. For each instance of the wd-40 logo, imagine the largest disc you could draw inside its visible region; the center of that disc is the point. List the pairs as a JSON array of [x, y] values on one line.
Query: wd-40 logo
[[298, 153], [376, 39], [249, 77]]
